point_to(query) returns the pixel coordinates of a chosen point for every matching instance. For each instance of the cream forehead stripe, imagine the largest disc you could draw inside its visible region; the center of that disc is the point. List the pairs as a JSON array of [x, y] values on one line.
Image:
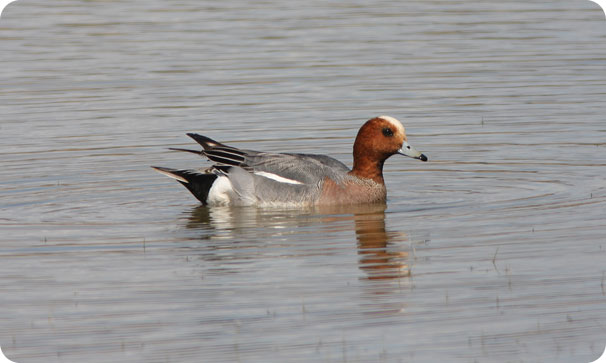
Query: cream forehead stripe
[[394, 121]]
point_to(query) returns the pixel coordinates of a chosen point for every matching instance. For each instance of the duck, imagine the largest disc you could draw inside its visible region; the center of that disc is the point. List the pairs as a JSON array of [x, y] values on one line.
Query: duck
[[241, 177]]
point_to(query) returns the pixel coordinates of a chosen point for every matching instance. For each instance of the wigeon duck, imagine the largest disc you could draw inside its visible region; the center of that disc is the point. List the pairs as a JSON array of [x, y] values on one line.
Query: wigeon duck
[[247, 177]]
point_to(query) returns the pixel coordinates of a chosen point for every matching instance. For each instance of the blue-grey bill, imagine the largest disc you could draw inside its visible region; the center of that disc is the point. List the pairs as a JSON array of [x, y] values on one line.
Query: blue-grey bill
[[411, 152]]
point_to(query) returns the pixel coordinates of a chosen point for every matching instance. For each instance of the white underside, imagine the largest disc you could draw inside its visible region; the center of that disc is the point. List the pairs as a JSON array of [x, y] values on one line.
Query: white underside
[[222, 193]]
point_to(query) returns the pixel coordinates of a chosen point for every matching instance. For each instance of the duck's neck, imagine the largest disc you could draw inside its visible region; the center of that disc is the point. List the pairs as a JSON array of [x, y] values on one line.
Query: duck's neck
[[368, 168]]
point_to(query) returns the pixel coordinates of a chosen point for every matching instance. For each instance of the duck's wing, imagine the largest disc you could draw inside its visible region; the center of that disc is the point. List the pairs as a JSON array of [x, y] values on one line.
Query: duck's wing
[[289, 168], [296, 168]]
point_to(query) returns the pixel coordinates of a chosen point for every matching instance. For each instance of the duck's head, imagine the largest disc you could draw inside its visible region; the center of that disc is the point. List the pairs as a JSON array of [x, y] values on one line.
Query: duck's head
[[381, 137]]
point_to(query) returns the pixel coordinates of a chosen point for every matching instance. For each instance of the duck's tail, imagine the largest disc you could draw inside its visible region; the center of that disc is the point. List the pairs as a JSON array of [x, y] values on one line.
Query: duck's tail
[[206, 142], [216, 151], [198, 184]]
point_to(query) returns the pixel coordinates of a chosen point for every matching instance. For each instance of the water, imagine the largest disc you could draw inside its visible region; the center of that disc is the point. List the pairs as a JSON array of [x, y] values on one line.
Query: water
[[495, 250]]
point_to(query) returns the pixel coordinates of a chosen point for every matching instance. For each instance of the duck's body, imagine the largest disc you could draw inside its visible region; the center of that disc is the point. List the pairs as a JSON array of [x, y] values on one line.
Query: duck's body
[[247, 177]]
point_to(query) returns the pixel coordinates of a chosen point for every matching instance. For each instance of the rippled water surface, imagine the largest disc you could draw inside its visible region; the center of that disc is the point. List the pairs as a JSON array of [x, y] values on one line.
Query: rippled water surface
[[495, 250]]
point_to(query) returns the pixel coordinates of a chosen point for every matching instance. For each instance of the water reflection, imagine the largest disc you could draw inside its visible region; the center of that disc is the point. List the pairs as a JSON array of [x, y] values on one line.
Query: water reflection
[[382, 254]]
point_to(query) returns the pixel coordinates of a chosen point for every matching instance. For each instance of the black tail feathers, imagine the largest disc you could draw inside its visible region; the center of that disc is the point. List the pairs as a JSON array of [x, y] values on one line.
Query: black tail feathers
[[206, 142], [198, 184]]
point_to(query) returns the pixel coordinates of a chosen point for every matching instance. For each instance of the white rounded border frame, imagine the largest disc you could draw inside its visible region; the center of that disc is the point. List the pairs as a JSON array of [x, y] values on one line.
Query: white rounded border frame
[[3, 4], [601, 3]]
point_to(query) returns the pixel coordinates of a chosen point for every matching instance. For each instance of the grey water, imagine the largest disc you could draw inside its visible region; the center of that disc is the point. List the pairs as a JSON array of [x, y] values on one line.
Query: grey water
[[493, 251]]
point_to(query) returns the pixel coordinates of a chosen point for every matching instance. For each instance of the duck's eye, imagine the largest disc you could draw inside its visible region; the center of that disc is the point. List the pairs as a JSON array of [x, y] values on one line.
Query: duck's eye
[[387, 132]]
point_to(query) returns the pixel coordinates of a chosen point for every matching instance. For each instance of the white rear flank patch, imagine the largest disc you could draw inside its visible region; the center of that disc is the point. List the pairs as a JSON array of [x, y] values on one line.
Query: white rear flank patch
[[220, 191], [276, 177], [395, 122]]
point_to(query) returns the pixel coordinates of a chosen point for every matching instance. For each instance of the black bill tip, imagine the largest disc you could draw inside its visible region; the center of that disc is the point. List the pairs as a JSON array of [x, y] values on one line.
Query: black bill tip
[[423, 157]]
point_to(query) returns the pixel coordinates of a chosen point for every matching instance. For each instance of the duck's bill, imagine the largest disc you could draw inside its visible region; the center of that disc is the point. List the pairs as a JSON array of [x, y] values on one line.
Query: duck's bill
[[411, 152]]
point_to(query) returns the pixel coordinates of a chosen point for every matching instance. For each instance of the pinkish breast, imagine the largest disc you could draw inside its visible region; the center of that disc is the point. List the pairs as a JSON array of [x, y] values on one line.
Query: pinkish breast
[[351, 191]]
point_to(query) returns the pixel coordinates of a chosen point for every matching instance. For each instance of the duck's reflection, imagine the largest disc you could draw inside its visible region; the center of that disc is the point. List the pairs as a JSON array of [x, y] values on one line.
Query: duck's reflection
[[382, 254]]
